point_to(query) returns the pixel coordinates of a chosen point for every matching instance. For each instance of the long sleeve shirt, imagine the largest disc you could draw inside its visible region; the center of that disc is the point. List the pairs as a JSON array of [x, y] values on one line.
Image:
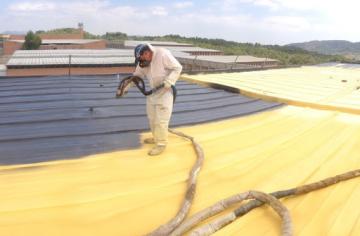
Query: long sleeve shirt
[[163, 67]]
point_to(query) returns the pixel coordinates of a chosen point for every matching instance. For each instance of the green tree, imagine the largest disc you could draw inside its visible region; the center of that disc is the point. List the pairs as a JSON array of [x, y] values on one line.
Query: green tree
[[32, 41], [114, 36]]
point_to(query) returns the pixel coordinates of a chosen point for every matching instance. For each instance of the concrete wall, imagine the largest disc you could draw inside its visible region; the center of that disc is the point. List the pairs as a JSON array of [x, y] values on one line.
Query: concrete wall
[[73, 71]]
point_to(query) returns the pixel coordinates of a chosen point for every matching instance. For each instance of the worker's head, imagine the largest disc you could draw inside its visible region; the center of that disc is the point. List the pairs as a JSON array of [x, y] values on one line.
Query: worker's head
[[143, 55]]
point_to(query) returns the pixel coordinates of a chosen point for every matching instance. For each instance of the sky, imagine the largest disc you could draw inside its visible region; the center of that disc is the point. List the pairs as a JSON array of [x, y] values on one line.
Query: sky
[[255, 21]]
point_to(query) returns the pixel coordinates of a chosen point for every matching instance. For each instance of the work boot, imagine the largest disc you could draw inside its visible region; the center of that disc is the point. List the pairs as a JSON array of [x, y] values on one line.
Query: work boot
[[149, 140], [158, 149]]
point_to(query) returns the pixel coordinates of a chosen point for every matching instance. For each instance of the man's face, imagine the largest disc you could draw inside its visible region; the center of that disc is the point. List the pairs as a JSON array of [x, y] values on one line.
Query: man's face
[[146, 56]]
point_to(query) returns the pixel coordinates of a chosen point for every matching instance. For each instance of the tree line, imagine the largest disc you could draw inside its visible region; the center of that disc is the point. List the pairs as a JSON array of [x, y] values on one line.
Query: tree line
[[287, 55]]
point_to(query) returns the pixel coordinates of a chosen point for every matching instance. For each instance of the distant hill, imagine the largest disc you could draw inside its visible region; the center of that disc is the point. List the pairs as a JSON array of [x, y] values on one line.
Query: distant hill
[[331, 47]]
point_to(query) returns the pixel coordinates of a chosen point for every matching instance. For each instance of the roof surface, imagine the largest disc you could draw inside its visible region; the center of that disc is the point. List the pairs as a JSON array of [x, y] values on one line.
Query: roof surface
[[115, 56], [333, 86], [127, 193], [67, 117], [191, 49], [78, 57], [82, 52], [75, 60]]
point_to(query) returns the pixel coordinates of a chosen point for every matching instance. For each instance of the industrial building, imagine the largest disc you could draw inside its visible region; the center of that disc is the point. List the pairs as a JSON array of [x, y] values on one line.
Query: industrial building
[[54, 41], [70, 62], [84, 57], [177, 47], [10, 46], [199, 59], [211, 63], [129, 44]]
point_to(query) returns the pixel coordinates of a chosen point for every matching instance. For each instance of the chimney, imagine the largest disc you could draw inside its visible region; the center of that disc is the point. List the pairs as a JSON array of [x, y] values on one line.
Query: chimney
[[81, 29]]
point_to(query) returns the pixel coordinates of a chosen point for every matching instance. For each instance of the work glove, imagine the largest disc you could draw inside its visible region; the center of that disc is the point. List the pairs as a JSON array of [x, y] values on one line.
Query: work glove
[[167, 84]]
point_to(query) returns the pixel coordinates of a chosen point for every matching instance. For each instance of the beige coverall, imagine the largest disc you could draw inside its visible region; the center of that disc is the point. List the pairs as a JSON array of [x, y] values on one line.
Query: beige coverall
[[159, 105]]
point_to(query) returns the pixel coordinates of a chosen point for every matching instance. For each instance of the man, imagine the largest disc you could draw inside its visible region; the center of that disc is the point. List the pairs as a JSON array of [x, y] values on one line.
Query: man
[[160, 67]]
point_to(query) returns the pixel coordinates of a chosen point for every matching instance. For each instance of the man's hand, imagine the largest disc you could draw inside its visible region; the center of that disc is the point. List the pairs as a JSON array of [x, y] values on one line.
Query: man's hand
[[167, 84], [167, 87]]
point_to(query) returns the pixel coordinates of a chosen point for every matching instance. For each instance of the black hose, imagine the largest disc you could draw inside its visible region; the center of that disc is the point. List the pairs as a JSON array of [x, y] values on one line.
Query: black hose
[[140, 84]]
